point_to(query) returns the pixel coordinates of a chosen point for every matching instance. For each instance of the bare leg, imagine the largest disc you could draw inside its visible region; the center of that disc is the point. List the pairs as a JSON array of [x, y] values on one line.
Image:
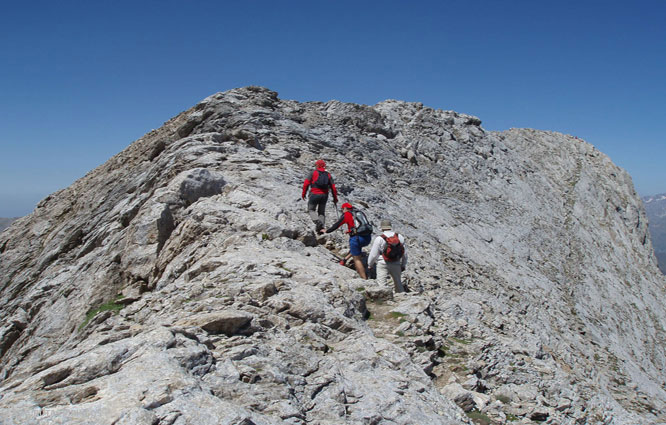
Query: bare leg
[[345, 259], [360, 268]]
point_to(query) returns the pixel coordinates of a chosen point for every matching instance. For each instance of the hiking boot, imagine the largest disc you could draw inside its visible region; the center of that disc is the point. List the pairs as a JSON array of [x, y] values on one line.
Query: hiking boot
[[318, 225], [343, 263]]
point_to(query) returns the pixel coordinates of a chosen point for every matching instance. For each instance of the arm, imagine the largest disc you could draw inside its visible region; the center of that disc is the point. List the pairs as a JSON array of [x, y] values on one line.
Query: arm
[[374, 252], [346, 218], [306, 184], [337, 224]]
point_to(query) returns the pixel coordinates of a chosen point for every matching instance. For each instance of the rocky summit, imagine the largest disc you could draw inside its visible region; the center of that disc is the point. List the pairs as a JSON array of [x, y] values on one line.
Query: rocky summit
[[181, 282]]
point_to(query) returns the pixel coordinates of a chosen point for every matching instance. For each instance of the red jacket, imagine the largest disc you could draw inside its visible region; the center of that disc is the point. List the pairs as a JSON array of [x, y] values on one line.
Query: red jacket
[[346, 218], [317, 191]]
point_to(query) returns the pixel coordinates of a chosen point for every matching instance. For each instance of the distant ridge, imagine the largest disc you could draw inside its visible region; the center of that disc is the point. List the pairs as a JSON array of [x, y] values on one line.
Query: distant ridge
[[655, 207], [5, 222]]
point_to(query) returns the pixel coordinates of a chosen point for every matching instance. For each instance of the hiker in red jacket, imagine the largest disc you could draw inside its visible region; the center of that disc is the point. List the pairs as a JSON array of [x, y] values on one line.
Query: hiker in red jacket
[[358, 238], [319, 181]]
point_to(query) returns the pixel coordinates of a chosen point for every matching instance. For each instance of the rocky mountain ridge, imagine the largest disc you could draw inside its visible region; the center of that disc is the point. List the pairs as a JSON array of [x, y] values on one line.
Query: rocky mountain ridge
[[181, 282], [655, 207]]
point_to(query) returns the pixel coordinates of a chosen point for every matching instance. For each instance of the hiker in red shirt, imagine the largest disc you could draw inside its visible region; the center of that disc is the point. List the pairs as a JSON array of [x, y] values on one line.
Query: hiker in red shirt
[[358, 238], [319, 181]]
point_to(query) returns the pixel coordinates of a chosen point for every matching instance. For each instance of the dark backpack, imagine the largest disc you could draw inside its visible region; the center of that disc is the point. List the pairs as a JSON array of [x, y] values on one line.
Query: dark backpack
[[321, 179], [393, 250], [361, 224]]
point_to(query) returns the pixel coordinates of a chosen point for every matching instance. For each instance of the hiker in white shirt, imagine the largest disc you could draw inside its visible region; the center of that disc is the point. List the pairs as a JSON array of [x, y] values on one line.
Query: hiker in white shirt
[[388, 263]]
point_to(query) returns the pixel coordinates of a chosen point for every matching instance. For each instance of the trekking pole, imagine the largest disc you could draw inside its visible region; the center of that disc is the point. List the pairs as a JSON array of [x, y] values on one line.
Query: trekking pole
[[337, 213]]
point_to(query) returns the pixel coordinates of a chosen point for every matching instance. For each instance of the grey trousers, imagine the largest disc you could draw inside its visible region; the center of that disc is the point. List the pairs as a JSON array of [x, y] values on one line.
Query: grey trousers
[[317, 208], [384, 270]]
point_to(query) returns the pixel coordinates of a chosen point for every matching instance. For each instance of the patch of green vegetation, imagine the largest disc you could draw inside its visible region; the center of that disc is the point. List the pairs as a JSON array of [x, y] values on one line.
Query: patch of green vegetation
[[265, 237], [461, 341], [511, 418], [396, 315], [479, 418], [113, 306], [283, 267], [504, 399], [400, 333], [457, 355], [360, 289]]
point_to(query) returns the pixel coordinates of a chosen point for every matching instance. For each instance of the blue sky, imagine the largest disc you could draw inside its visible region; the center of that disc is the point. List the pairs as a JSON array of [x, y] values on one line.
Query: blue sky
[[79, 81]]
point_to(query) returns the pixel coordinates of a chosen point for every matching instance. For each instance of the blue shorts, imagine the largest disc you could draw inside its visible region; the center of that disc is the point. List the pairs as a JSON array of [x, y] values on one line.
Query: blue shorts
[[357, 242]]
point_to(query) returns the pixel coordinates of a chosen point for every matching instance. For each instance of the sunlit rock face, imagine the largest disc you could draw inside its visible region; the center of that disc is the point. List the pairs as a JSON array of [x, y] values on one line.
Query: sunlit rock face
[[181, 282]]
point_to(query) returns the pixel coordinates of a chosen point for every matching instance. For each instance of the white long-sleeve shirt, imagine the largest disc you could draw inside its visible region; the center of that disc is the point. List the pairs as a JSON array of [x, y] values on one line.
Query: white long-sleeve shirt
[[378, 247]]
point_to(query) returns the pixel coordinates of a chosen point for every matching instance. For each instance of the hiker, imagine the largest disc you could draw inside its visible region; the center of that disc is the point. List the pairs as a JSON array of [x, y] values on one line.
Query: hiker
[[319, 181], [359, 236], [389, 253]]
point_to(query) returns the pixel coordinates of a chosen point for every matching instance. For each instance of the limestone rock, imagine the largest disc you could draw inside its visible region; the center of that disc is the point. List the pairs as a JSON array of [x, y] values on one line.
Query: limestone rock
[[228, 322], [181, 281]]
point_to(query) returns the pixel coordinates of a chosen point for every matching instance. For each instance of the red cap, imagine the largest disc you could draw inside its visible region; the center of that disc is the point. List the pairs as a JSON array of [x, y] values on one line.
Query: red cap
[[320, 163], [346, 205]]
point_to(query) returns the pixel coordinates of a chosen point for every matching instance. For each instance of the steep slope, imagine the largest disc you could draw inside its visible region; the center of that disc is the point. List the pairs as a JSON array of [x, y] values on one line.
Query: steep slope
[[655, 207], [534, 293]]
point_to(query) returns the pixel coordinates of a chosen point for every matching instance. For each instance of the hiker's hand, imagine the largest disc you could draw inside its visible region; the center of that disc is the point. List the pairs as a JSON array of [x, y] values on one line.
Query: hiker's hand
[[303, 198], [322, 231]]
